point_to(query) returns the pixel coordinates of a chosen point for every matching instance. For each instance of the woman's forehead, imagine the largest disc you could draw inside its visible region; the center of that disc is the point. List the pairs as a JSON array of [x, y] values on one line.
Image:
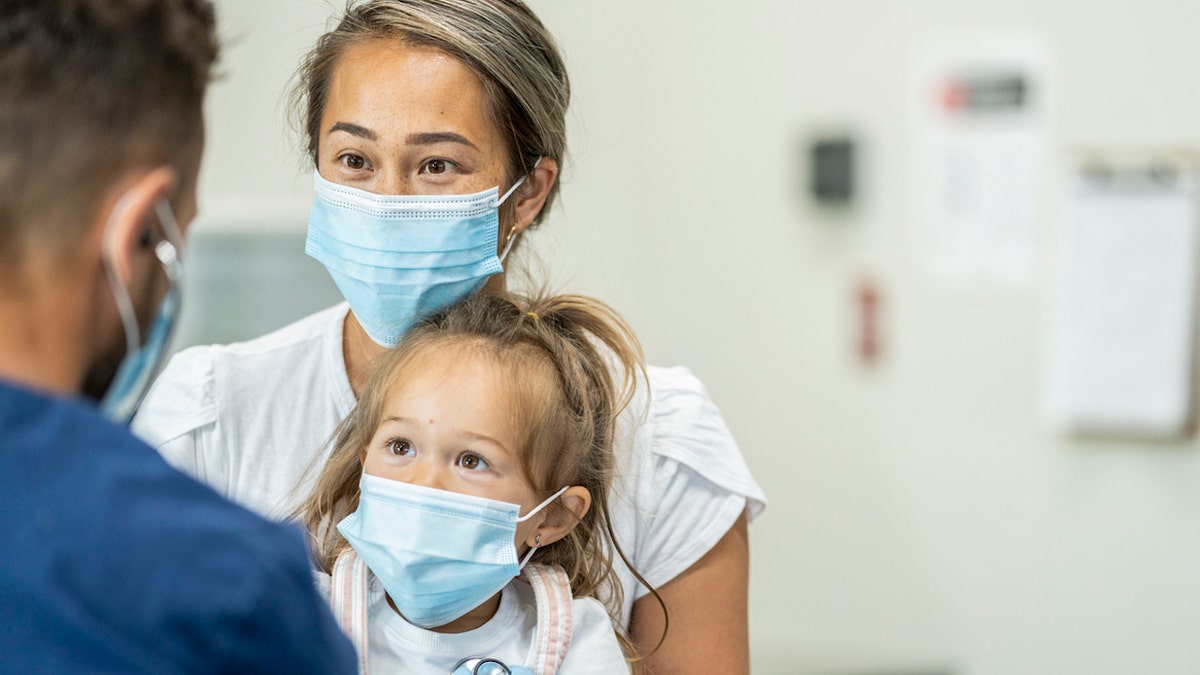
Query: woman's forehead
[[394, 90]]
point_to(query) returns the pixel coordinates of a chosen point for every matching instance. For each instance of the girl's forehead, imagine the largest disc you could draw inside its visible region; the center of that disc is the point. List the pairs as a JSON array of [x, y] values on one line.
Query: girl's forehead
[[450, 385], [454, 352], [435, 363], [510, 377]]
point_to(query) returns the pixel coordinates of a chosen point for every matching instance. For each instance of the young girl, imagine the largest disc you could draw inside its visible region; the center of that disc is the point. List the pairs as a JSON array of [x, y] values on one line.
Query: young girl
[[481, 448]]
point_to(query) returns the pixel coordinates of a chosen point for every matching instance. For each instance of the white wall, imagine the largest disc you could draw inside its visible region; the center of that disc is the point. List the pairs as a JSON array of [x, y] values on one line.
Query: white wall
[[920, 518]]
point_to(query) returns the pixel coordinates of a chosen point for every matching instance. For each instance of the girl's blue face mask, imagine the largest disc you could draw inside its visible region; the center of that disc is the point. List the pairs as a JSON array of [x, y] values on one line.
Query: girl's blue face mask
[[438, 554], [399, 258]]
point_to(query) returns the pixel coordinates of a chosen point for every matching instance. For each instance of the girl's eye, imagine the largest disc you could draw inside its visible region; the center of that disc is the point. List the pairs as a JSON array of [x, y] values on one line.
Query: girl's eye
[[355, 162], [472, 462], [399, 446]]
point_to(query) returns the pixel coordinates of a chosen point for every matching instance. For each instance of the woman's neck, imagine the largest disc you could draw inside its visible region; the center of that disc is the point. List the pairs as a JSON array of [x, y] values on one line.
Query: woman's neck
[[359, 352]]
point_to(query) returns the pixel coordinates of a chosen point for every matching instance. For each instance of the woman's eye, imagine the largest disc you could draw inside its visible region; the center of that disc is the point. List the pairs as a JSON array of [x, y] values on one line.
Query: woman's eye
[[355, 162], [399, 446], [436, 166], [472, 462]]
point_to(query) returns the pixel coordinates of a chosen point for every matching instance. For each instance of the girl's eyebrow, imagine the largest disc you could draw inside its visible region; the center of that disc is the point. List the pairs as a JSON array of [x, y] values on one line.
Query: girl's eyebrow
[[469, 434], [484, 437]]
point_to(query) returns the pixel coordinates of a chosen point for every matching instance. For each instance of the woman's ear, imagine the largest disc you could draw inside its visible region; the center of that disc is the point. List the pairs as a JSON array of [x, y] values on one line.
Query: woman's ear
[[126, 225], [531, 196], [559, 522]]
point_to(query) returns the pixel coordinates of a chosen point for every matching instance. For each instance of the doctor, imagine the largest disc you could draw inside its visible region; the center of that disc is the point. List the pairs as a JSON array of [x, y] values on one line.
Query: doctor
[[112, 560], [437, 129]]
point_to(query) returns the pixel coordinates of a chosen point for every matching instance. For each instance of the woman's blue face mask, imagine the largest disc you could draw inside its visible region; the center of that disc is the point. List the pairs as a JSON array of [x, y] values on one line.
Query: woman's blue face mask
[[399, 258]]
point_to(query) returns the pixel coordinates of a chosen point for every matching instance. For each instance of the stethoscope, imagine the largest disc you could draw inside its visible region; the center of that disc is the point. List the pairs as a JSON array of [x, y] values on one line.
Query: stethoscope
[[481, 665]]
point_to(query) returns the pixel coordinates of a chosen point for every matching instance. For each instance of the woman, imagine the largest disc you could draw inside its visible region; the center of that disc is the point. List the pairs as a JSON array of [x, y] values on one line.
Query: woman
[[459, 102]]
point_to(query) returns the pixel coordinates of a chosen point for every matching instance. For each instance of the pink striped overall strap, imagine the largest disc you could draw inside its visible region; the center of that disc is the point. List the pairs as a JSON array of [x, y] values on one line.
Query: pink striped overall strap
[[348, 595], [555, 616]]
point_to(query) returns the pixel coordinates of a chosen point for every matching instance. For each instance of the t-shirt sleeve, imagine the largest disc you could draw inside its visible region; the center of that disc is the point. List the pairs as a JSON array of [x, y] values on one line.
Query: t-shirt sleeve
[[288, 628], [689, 517], [179, 412], [594, 647], [688, 427], [698, 484]]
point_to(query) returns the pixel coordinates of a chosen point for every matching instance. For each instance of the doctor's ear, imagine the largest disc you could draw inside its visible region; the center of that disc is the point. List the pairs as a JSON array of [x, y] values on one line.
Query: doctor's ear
[[531, 196], [559, 522], [129, 223]]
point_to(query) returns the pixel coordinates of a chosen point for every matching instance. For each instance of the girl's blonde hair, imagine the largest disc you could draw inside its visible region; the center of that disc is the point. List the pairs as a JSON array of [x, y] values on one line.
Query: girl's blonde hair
[[556, 357]]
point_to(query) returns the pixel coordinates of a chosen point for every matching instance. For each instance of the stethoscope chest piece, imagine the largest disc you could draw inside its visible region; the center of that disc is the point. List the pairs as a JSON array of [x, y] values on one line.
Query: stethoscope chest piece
[[478, 665]]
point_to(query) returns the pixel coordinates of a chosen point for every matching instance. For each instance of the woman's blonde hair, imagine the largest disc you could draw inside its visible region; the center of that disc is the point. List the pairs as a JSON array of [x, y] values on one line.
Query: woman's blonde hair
[[502, 41], [556, 357]]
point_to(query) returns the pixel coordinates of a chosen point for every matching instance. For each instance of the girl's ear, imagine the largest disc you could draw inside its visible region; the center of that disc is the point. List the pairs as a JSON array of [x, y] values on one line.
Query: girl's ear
[[557, 523]]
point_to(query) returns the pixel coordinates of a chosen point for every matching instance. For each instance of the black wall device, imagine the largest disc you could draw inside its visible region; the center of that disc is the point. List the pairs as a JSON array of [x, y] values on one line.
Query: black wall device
[[831, 171]]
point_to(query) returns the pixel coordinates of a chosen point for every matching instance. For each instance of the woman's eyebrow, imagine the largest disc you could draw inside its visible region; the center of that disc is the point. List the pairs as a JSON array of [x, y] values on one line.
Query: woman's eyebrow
[[433, 137], [353, 130]]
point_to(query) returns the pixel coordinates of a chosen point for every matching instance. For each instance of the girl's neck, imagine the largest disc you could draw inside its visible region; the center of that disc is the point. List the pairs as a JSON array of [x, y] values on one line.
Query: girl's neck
[[469, 621]]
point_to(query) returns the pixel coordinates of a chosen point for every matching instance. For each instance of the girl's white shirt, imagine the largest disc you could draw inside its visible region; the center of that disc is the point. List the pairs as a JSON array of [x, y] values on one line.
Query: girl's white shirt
[[254, 420], [397, 646]]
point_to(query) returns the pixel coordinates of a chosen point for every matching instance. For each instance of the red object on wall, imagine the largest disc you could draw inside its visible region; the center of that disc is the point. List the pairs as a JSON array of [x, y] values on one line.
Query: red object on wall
[[954, 96], [868, 299]]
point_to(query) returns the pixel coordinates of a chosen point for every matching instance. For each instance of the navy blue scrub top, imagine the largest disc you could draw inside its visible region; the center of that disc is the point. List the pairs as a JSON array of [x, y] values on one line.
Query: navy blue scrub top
[[112, 561]]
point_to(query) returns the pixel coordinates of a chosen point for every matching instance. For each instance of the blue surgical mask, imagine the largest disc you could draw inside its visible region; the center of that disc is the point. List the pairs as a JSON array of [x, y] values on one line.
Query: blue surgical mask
[[438, 554], [399, 258], [143, 359]]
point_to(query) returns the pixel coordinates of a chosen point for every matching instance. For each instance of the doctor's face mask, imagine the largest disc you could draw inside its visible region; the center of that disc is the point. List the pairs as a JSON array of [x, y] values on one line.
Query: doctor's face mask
[[398, 258]]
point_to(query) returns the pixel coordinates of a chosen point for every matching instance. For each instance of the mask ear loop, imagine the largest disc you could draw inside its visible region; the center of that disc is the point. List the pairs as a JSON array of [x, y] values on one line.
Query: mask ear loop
[[543, 505], [508, 242], [537, 541], [133, 334]]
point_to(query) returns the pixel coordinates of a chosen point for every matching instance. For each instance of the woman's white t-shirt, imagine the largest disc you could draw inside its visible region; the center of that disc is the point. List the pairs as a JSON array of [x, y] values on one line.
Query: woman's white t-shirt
[[254, 420]]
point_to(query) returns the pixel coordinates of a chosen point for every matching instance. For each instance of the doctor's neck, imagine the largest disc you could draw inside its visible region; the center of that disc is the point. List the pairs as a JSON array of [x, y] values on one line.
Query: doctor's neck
[[43, 311]]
